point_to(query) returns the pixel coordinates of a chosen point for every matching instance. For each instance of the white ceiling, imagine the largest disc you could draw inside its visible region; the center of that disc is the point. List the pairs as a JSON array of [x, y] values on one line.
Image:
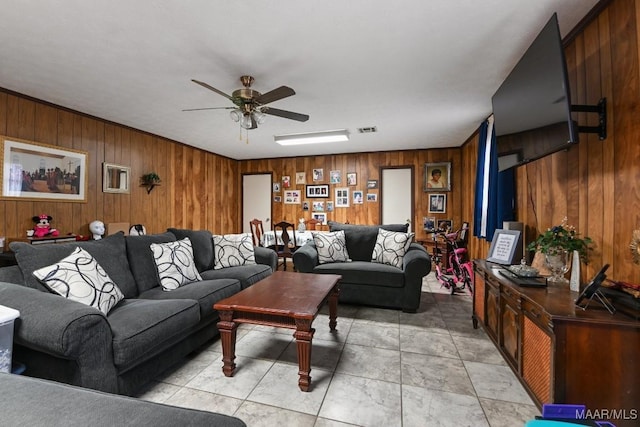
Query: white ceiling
[[421, 71]]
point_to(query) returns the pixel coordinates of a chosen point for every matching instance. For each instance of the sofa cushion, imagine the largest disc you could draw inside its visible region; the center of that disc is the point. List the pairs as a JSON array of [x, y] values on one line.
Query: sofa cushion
[[202, 246], [175, 263], [361, 239], [231, 250], [246, 274], [390, 247], [109, 252], [79, 277], [141, 261], [331, 246], [365, 273], [206, 292], [142, 328]]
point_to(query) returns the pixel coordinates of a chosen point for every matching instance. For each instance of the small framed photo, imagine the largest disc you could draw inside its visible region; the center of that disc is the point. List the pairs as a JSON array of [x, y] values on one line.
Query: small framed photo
[[317, 206], [292, 197], [115, 178], [437, 176], [277, 199], [372, 197], [276, 187], [329, 206], [318, 175], [301, 178], [503, 246], [372, 183], [358, 198], [335, 177], [437, 203], [342, 197], [320, 216], [314, 191], [445, 225], [286, 181], [305, 206], [351, 178], [429, 224]]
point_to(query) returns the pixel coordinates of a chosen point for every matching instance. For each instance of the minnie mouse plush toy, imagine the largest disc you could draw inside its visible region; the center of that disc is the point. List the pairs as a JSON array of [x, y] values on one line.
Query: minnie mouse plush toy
[[43, 226]]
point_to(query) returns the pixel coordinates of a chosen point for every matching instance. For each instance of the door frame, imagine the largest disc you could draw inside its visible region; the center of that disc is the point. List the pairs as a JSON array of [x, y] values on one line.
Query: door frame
[[413, 192]]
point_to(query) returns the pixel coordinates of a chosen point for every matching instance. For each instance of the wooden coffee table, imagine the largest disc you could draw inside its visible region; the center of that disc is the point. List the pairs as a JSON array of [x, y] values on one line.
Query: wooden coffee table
[[285, 300]]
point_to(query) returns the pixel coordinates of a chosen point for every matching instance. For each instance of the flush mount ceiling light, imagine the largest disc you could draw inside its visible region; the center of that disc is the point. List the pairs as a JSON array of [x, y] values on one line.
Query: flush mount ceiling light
[[339, 135]]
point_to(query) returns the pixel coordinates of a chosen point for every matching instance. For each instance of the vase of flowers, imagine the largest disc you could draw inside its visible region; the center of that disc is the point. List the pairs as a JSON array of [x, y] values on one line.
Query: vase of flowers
[[558, 244]]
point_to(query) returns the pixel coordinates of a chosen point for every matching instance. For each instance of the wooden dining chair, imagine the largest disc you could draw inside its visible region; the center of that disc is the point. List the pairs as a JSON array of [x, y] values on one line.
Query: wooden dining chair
[[311, 224], [288, 246], [256, 231]]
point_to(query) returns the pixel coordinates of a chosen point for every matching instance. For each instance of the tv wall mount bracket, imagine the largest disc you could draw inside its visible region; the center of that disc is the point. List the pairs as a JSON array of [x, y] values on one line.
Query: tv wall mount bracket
[[601, 109]]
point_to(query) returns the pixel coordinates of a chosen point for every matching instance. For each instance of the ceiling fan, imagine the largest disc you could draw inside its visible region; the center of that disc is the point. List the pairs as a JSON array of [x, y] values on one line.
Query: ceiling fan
[[250, 105]]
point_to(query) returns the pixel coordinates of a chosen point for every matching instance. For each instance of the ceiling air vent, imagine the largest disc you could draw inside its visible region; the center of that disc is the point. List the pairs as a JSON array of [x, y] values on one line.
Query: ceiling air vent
[[370, 129]]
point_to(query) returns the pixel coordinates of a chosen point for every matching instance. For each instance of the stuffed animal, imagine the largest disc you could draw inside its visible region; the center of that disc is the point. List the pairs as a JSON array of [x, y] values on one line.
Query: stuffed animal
[[43, 226]]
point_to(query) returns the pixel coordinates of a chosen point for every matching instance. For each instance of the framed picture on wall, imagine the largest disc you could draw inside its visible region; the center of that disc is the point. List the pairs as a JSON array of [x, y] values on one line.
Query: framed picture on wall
[[372, 183], [329, 206], [445, 225], [351, 178], [372, 197], [320, 216], [314, 191], [301, 178], [318, 206], [342, 197], [429, 224], [335, 177], [318, 175], [437, 176], [292, 197], [358, 198], [437, 203]]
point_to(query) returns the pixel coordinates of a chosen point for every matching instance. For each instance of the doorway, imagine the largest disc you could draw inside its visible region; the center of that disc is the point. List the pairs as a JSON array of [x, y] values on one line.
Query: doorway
[[396, 195], [256, 200]]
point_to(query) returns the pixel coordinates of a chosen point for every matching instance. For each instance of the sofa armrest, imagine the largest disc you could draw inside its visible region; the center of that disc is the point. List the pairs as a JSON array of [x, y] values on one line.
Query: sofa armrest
[[416, 265], [11, 274], [266, 256], [305, 258], [64, 329]]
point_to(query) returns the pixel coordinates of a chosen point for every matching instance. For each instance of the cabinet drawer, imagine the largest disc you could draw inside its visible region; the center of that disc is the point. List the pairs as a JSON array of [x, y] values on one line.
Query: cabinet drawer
[[535, 313]]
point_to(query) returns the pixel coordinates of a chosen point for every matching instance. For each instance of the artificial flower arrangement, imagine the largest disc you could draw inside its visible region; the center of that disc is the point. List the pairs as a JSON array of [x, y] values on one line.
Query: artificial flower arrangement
[[562, 237]]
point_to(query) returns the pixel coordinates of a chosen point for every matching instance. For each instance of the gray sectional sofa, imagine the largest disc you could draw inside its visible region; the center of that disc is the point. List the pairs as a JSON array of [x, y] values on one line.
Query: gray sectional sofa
[[366, 282], [145, 333]]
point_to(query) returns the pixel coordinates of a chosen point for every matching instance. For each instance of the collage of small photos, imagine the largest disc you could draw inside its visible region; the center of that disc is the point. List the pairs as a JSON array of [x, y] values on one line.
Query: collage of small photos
[[320, 198]]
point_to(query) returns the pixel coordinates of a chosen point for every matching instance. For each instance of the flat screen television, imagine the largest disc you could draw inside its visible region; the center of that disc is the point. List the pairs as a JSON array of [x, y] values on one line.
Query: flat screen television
[[532, 107]]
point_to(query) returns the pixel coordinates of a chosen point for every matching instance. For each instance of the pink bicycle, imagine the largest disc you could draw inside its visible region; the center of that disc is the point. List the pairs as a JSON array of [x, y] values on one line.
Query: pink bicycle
[[459, 273]]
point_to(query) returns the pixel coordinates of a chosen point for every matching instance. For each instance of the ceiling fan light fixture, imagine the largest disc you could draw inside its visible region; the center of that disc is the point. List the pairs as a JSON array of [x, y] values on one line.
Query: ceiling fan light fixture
[[339, 135], [246, 122], [259, 117], [236, 115]]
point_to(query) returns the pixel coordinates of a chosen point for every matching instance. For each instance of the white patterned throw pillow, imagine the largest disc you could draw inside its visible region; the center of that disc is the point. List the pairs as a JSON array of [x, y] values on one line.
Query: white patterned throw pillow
[[175, 263], [331, 247], [80, 278], [391, 246], [232, 250]]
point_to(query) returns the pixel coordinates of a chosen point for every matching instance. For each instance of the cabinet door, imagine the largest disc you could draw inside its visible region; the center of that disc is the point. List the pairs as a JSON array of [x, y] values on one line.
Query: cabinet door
[[510, 333], [536, 360], [478, 298], [493, 310]]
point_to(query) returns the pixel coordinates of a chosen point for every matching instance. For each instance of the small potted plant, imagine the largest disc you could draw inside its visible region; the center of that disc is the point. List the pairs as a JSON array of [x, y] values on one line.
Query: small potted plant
[[150, 180], [558, 243]]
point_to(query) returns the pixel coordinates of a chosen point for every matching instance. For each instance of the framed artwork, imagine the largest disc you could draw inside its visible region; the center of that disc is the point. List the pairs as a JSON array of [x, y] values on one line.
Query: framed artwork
[[320, 216], [317, 206], [318, 175], [358, 198], [116, 178], [277, 199], [444, 225], [321, 190], [301, 178], [286, 181], [292, 197], [503, 246], [372, 197], [276, 187], [335, 177], [429, 224], [351, 178], [372, 183], [437, 176], [342, 197], [329, 206], [305, 206], [34, 171], [437, 203]]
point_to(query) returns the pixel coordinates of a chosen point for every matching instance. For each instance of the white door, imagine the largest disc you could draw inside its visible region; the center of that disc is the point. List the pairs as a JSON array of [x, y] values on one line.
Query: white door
[[256, 200], [396, 194]]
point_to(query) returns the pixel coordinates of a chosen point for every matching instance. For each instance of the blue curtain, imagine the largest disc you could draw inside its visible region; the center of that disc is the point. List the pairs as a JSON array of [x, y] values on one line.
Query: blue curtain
[[495, 191]]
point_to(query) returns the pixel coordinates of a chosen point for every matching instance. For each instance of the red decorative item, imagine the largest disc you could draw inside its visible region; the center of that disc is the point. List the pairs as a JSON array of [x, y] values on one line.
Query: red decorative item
[[43, 226]]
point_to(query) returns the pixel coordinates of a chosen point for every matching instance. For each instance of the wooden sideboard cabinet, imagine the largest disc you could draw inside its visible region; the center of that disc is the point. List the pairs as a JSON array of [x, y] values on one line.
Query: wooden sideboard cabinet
[[561, 353]]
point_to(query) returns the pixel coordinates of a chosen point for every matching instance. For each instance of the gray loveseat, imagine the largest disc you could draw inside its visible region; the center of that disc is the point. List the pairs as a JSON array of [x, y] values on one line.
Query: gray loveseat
[[142, 335], [366, 282]]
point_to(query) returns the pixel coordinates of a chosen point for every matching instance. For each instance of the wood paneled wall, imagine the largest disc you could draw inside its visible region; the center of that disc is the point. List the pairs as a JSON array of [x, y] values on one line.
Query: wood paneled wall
[[366, 166], [198, 190], [595, 184]]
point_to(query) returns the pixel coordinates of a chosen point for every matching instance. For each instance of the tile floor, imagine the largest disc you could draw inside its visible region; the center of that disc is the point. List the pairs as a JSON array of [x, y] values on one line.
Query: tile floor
[[380, 368]]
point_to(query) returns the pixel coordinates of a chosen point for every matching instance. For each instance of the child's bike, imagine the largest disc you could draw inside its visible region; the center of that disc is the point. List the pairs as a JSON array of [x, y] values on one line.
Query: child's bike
[[457, 276]]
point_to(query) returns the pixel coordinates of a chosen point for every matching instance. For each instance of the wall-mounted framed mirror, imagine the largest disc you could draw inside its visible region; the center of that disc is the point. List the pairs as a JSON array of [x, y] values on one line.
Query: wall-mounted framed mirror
[[116, 178]]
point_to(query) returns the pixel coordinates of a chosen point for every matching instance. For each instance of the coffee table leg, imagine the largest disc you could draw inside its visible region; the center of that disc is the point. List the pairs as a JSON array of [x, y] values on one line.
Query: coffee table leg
[[333, 308], [227, 328], [304, 336]]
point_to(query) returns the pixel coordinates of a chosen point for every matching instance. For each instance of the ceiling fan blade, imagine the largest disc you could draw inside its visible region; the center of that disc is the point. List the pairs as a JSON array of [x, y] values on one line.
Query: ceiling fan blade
[[286, 114], [203, 84], [210, 108], [274, 95]]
